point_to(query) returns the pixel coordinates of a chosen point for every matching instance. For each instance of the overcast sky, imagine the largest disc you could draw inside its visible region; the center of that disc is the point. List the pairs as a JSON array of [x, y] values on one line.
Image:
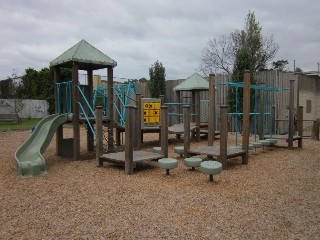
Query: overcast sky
[[136, 33]]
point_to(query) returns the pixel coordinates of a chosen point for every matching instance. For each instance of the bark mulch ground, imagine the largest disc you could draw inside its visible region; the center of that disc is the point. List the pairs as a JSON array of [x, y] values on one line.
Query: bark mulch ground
[[275, 196]]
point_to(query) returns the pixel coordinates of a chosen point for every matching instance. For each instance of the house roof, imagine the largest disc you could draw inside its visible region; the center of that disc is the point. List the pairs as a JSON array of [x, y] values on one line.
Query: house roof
[[87, 56], [194, 82], [312, 73]]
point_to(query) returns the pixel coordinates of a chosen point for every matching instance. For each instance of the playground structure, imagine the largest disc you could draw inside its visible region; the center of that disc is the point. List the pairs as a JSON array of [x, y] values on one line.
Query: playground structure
[[82, 56], [222, 153], [132, 153], [73, 105], [194, 84]]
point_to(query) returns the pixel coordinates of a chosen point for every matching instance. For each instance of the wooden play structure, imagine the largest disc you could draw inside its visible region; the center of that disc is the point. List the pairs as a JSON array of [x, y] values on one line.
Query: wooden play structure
[[147, 115], [194, 84], [222, 153], [290, 137], [132, 153], [82, 56]]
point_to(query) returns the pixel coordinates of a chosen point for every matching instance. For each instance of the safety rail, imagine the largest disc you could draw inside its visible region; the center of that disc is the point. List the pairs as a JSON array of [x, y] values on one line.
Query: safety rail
[[68, 93], [122, 93], [87, 119], [87, 103]]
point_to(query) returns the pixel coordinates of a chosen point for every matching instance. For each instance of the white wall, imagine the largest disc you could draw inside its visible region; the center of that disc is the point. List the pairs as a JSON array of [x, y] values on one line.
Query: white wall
[[27, 108]]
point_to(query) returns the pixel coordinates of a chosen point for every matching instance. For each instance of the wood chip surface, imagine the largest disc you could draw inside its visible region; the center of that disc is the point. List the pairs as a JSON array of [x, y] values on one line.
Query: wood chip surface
[[275, 196]]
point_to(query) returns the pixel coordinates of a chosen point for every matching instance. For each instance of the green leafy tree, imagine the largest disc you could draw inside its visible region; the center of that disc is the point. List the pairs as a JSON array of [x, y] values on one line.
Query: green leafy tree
[[143, 80], [7, 88], [298, 69], [39, 85], [243, 62], [220, 53], [157, 84], [280, 64]]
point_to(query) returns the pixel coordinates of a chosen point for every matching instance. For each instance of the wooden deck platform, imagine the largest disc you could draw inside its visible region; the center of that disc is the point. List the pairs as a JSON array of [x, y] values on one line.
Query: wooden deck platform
[[214, 152], [179, 128], [119, 157], [284, 137], [205, 131]]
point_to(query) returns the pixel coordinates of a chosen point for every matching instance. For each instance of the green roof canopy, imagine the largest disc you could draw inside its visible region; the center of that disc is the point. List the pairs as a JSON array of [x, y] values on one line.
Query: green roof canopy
[[87, 56], [194, 82]]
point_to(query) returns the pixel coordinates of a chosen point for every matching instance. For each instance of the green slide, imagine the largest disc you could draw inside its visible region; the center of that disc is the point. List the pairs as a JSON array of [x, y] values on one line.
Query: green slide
[[29, 159]]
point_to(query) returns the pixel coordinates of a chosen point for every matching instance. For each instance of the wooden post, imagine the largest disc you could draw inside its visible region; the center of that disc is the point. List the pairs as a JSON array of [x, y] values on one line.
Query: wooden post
[[138, 122], [246, 112], [177, 107], [99, 133], [291, 116], [129, 140], [300, 125], [211, 111], [118, 119], [134, 131], [110, 107], [90, 138], [273, 120], [59, 132], [75, 107], [193, 107], [161, 99], [315, 130], [261, 114], [186, 125], [197, 112], [223, 136], [164, 130]]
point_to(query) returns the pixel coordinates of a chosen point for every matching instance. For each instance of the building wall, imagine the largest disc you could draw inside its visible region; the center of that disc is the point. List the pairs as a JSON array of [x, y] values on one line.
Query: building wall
[[309, 91]]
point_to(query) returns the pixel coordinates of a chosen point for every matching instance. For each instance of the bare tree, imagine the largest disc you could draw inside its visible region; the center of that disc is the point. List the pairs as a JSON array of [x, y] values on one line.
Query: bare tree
[[220, 53]]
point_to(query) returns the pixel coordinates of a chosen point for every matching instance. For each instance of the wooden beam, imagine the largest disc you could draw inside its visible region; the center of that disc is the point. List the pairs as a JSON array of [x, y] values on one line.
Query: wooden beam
[[261, 114], [59, 132], [211, 111], [223, 136], [273, 120], [75, 108], [164, 130], [246, 116], [117, 118], [138, 123], [315, 130], [110, 107], [177, 107], [197, 112], [300, 125], [193, 107], [99, 133], [90, 138], [161, 99], [186, 135], [291, 115], [129, 139]]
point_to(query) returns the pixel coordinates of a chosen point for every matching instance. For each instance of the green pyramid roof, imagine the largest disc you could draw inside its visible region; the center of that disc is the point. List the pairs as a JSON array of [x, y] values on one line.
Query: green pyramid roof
[[86, 55], [194, 82]]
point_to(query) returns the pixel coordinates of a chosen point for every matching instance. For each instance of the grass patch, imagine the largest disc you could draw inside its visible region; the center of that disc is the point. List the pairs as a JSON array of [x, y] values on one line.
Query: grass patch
[[25, 124]]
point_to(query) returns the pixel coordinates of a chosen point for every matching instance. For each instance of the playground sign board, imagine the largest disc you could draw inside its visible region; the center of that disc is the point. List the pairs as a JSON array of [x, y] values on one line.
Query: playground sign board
[[150, 110]]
